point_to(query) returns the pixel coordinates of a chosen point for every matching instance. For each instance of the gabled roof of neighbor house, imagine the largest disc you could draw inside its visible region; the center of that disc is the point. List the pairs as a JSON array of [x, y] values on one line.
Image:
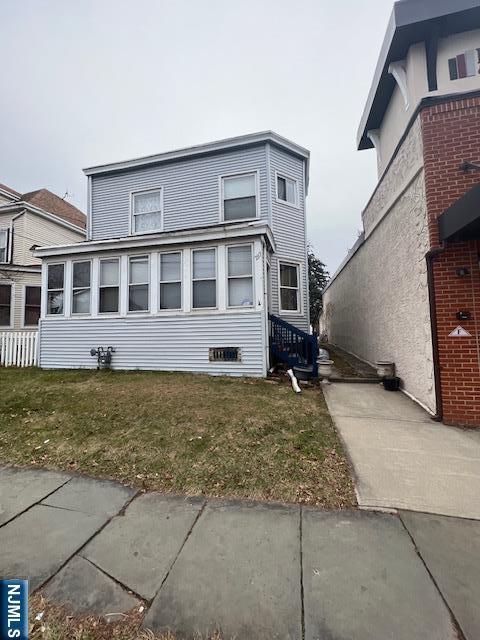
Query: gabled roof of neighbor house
[[237, 142], [9, 192], [412, 21]]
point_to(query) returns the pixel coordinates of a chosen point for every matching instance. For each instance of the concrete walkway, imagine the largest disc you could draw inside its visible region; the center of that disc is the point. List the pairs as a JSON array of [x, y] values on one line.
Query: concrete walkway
[[252, 570], [401, 458]]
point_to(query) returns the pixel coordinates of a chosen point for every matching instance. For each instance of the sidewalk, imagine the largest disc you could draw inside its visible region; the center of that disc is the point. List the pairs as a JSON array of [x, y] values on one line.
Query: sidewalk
[[401, 458], [252, 570]]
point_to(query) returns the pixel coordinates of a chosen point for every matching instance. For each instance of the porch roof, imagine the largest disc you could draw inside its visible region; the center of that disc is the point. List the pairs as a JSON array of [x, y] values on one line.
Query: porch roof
[[461, 221], [168, 238]]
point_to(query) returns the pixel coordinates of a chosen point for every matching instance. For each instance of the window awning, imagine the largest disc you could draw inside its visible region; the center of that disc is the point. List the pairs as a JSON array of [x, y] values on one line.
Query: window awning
[[461, 221]]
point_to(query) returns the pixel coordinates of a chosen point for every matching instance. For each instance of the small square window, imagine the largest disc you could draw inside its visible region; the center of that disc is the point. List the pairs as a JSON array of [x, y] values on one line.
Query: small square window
[[147, 211]]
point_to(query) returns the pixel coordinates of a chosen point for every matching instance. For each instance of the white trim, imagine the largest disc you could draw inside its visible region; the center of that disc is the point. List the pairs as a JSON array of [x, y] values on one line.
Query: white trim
[[8, 194], [187, 236], [268, 164], [298, 265], [89, 209], [160, 281], [251, 276], [56, 315], [210, 147], [238, 174], [11, 284], [192, 279], [284, 176], [43, 214], [83, 313], [23, 305], [137, 192], [142, 284]]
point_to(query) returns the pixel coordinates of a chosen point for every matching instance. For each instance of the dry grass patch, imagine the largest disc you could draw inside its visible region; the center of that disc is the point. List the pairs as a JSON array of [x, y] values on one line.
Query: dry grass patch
[[174, 432]]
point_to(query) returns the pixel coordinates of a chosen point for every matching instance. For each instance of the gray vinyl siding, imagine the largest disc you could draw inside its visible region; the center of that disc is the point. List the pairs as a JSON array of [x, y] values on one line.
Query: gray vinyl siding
[[288, 225], [156, 343], [191, 191]]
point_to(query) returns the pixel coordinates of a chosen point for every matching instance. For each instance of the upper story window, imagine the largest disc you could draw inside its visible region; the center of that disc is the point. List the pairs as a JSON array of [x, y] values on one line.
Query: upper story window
[[204, 279], [3, 245], [464, 65], [287, 190], [5, 304], [171, 280], [239, 196], [240, 276], [33, 297], [81, 287], [109, 286], [147, 211], [289, 287], [55, 286], [138, 283]]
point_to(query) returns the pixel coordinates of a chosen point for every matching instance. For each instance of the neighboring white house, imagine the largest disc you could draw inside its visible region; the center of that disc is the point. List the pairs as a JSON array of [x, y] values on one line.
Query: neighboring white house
[[35, 218], [186, 253]]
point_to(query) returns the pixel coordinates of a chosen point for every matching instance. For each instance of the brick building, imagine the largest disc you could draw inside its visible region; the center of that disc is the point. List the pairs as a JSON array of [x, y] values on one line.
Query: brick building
[[409, 289]]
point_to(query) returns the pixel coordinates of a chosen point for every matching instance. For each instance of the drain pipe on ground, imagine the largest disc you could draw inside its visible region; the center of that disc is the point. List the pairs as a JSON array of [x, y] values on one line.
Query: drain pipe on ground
[[295, 384], [430, 257]]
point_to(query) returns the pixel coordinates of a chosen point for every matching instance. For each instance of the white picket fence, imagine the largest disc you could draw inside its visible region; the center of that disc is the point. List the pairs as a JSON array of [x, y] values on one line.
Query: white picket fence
[[18, 348]]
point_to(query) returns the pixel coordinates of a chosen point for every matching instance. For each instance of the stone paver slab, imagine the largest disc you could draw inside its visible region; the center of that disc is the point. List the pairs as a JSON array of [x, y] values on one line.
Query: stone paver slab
[[239, 572], [138, 548], [450, 547], [363, 579], [82, 588], [89, 495], [37, 543], [21, 488]]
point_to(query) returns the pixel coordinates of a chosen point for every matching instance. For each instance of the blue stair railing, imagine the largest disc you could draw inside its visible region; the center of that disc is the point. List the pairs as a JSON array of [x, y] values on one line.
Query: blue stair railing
[[292, 346]]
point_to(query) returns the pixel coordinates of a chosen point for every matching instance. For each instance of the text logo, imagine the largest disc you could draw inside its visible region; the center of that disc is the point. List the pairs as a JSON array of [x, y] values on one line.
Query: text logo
[[13, 609]]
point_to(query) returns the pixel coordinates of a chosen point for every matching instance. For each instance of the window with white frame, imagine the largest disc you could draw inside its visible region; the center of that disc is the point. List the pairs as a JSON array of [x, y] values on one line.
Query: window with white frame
[[31, 314], [5, 304], [239, 196], [81, 279], [109, 286], [289, 287], [204, 279], [55, 286], [138, 283], [147, 211], [3, 245], [171, 280], [240, 276], [287, 190]]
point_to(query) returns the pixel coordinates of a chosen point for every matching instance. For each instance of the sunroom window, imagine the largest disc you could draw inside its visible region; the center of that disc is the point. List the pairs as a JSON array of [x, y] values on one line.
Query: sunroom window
[[55, 279], [240, 278], [81, 287], [289, 292], [171, 280], [204, 279], [109, 286], [138, 283], [239, 197], [147, 211]]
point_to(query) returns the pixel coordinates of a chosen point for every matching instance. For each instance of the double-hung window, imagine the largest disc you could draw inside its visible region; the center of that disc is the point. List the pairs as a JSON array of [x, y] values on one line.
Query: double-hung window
[[3, 245], [289, 289], [32, 306], [240, 276], [171, 280], [138, 283], [109, 286], [55, 286], [287, 190], [147, 211], [5, 304], [204, 279], [81, 276], [239, 196]]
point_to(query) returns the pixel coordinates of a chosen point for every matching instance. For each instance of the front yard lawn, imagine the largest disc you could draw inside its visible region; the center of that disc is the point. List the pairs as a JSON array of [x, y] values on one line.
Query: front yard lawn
[[174, 432]]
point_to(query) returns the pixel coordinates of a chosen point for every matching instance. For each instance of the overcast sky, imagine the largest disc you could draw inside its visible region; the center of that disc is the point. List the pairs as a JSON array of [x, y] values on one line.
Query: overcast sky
[[92, 81]]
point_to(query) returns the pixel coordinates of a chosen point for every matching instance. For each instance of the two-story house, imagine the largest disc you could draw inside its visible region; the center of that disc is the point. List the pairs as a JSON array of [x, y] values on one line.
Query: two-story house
[[186, 254], [35, 218], [409, 290]]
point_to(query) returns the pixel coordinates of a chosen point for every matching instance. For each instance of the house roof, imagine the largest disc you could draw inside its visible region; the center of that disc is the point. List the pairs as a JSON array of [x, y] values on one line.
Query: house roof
[[411, 21], [51, 203], [8, 191], [203, 149]]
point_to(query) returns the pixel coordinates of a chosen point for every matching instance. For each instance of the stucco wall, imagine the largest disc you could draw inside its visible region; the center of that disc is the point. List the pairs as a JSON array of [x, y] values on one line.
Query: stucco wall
[[377, 306]]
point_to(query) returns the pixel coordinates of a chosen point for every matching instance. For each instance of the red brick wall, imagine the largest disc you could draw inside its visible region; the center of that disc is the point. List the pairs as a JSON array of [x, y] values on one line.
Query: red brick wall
[[451, 134]]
